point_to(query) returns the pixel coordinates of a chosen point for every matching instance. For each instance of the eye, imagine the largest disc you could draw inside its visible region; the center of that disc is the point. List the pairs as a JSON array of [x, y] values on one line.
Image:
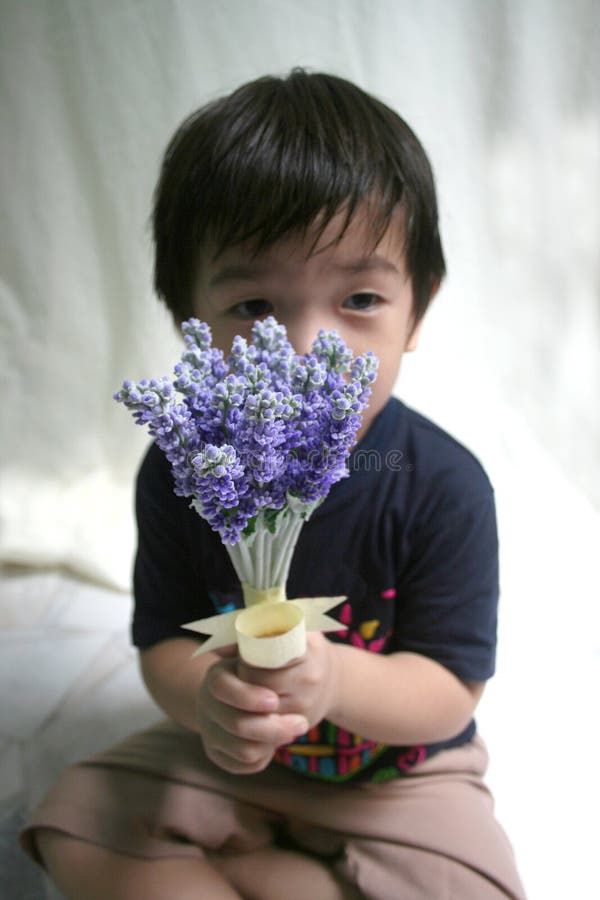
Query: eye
[[251, 309], [362, 302]]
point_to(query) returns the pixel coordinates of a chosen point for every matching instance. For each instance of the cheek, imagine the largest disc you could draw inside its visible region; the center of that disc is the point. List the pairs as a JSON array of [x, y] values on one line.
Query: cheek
[[390, 359], [387, 374], [380, 394]]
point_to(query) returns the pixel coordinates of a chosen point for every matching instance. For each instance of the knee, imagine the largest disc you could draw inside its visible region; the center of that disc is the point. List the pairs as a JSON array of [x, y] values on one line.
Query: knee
[[59, 851], [48, 843]]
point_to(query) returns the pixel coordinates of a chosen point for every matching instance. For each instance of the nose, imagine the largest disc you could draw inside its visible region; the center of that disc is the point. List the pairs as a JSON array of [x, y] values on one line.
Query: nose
[[302, 330]]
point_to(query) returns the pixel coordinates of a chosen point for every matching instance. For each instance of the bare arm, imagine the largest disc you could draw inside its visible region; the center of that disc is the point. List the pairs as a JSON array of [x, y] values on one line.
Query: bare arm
[[403, 698], [174, 679]]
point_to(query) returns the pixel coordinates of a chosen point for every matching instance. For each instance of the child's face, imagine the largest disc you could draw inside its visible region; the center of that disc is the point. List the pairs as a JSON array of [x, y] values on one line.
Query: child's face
[[365, 294]]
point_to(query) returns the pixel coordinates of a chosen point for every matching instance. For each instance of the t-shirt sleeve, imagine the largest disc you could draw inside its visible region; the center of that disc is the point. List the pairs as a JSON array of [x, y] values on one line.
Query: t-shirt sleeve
[[167, 589], [448, 592]]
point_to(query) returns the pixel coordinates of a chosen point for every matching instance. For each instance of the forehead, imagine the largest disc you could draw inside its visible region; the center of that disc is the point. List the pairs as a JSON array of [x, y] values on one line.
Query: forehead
[[361, 237]]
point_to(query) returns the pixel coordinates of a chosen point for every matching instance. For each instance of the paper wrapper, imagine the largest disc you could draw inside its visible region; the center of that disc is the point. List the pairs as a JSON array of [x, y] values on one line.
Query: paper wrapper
[[271, 635], [271, 631]]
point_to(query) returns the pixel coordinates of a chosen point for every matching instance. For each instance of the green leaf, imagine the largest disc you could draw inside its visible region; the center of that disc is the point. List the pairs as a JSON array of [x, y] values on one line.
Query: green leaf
[[250, 526], [270, 516]]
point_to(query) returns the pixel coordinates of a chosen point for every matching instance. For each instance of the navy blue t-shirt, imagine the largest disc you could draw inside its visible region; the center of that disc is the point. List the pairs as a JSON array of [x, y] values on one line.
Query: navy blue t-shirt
[[409, 537]]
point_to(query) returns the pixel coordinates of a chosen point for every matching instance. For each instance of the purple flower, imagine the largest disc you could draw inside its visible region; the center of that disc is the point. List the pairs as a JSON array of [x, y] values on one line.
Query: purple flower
[[256, 431]]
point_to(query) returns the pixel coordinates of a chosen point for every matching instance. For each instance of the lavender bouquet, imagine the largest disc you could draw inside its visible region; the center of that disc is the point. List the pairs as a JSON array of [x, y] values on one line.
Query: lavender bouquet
[[256, 440]]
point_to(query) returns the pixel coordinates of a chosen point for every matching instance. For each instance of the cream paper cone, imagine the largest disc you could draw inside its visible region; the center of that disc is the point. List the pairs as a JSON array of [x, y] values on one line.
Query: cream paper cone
[[271, 635], [223, 628], [253, 596]]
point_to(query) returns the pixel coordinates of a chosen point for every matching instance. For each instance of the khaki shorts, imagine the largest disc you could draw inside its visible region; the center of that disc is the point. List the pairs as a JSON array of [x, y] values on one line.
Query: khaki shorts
[[430, 835]]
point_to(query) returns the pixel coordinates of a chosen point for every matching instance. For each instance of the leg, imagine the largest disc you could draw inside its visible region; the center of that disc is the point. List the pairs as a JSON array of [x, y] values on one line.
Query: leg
[[271, 873], [388, 871], [438, 836], [84, 871]]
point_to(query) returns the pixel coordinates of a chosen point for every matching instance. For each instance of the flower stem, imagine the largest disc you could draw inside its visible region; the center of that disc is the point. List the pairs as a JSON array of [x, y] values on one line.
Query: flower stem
[[291, 546], [288, 539], [247, 562], [269, 539], [263, 559], [242, 561], [259, 558], [236, 560]]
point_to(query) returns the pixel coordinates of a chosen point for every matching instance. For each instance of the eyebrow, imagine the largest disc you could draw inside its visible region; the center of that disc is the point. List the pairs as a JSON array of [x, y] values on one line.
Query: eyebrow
[[236, 273], [368, 264]]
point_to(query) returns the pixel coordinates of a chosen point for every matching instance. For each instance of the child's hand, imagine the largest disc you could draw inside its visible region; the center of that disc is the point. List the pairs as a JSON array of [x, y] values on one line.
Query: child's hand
[[307, 686], [241, 724]]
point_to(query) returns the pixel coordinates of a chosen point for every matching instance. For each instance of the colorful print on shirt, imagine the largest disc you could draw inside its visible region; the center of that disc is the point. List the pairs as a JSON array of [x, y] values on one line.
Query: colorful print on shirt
[[329, 753]]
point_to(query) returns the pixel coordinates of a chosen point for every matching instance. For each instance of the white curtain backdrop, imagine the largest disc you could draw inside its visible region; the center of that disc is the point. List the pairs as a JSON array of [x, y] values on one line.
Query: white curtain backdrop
[[504, 95]]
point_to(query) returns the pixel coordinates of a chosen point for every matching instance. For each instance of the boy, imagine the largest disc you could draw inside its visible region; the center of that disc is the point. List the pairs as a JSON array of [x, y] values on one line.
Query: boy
[[357, 770]]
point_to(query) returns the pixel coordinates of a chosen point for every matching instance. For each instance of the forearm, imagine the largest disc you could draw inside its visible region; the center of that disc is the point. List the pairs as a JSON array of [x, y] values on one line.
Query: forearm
[[174, 679], [402, 698]]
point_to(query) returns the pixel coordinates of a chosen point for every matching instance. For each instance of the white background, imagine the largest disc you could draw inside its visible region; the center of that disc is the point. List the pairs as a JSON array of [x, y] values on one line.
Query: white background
[[505, 97]]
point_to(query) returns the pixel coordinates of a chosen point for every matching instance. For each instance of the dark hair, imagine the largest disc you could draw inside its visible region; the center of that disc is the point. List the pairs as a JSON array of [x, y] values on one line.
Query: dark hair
[[266, 160]]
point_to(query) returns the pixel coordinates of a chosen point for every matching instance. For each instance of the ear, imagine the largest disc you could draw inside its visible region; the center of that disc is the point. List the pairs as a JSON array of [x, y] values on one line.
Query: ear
[[412, 342]]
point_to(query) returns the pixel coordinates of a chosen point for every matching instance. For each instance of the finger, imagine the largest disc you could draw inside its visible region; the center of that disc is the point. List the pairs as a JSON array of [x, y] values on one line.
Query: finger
[[236, 766], [227, 688], [227, 652], [266, 728], [269, 678], [250, 753], [278, 680], [244, 752]]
